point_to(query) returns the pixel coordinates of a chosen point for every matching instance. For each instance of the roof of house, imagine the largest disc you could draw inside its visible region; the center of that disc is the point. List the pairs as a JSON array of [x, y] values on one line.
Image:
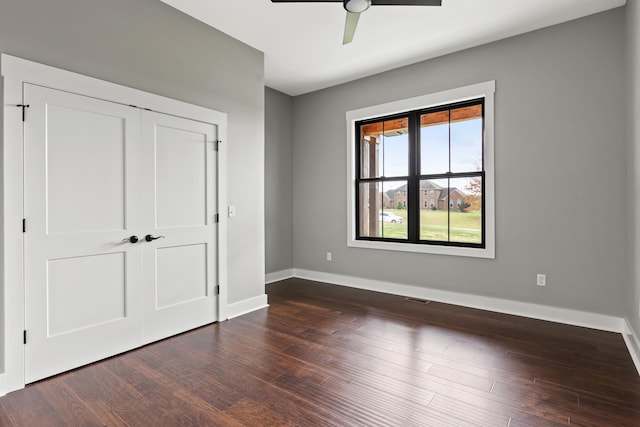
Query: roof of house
[[446, 191], [427, 185]]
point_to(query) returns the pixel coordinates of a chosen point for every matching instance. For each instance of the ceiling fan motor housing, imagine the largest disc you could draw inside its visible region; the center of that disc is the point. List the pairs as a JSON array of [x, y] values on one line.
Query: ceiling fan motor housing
[[356, 6]]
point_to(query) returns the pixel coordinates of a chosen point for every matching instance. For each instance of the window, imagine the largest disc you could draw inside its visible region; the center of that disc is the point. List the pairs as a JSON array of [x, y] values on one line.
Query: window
[[439, 144], [438, 147]]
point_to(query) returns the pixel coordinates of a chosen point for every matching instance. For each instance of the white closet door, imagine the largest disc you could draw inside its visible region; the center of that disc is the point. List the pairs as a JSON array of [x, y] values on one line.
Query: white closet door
[[180, 271], [81, 203]]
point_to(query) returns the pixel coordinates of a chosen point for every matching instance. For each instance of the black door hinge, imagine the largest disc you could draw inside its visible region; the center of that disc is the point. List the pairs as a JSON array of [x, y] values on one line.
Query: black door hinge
[[218, 142], [217, 290], [24, 336], [24, 225], [216, 218], [24, 107]]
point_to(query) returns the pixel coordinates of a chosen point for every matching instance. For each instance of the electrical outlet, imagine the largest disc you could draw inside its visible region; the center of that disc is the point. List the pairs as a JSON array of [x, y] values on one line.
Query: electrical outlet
[[328, 256], [541, 280]]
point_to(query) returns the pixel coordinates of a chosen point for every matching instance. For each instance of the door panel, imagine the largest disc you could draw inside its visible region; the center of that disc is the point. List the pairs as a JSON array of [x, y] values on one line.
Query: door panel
[[179, 268], [84, 148], [85, 292], [82, 282], [180, 173], [186, 265]]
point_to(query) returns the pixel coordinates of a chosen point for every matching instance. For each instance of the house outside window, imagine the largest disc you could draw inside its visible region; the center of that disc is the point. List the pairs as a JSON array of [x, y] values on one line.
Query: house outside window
[[442, 148]]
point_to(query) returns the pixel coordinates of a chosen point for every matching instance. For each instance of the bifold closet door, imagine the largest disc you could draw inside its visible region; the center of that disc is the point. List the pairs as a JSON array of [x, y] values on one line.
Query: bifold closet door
[[120, 239], [81, 203]]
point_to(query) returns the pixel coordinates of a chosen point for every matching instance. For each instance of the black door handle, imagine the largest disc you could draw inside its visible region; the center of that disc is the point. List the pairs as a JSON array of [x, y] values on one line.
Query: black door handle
[[150, 238], [132, 239]]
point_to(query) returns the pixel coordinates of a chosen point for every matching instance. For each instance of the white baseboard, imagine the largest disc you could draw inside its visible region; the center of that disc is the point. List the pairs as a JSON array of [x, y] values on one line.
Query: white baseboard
[[246, 306], [279, 275], [535, 311], [633, 344]]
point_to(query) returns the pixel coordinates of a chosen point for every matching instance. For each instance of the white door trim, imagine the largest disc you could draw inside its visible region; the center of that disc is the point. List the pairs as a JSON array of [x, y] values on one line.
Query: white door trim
[[17, 71]]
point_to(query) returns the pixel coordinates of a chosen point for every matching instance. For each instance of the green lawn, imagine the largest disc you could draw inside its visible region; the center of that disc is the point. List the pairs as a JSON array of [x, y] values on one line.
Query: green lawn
[[465, 226]]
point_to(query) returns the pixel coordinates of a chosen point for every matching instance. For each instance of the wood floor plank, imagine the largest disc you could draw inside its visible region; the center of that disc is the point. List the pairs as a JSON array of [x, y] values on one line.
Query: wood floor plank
[[67, 404], [300, 409], [324, 355], [254, 413], [474, 381], [29, 408], [5, 418], [486, 416]]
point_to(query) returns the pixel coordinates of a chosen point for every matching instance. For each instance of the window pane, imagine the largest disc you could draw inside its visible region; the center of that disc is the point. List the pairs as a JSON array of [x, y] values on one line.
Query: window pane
[[466, 139], [383, 209], [465, 195], [434, 219], [370, 151], [370, 203], [396, 148], [393, 216], [384, 148], [434, 143]]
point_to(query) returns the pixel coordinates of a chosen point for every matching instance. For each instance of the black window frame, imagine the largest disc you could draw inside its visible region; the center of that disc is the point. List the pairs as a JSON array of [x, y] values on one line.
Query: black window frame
[[414, 176]]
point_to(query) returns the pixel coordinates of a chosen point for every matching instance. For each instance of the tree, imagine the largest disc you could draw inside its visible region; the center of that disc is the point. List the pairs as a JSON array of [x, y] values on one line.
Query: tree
[[474, 199], [399, 207], [464, 205]]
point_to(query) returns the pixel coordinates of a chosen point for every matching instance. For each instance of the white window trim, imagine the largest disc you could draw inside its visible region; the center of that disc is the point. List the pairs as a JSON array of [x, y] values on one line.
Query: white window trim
[[484, 90]]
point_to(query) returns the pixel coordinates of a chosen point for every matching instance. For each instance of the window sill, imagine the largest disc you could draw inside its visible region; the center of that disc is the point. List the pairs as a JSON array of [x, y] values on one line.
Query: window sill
[[487, 252]]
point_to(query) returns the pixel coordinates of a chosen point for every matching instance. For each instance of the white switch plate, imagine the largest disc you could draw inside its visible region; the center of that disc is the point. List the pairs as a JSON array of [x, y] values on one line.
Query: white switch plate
[[328, 256], [232, 211], [541, 280]]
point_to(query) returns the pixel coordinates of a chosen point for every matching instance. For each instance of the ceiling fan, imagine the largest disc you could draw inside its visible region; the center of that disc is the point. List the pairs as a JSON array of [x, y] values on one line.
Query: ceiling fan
[[355, 7]]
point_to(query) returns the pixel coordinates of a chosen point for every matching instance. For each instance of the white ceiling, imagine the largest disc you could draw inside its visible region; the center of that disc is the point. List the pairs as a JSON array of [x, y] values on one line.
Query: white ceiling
[[302, 42]]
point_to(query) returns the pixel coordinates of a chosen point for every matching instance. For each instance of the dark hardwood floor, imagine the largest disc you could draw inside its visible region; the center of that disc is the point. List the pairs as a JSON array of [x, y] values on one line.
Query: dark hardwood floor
[[329, 355]]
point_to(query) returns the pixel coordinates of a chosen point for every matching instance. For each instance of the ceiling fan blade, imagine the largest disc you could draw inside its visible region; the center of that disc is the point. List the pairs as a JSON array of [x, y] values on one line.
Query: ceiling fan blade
[[350, 25], [406, 2]]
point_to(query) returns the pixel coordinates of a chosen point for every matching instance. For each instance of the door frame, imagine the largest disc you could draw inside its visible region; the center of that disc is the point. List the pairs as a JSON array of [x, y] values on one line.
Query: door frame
[[16, 72]]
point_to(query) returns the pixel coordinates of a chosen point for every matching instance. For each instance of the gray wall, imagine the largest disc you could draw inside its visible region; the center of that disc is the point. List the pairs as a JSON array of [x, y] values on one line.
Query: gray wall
[[278, 181], [561, 183], [632, 297], [148, 45]]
